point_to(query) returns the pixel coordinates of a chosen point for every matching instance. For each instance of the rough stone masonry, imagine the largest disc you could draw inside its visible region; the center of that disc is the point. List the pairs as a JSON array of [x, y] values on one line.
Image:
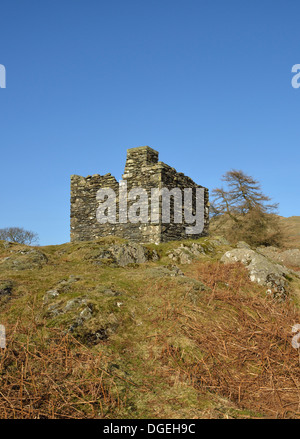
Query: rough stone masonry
[[142, 170]]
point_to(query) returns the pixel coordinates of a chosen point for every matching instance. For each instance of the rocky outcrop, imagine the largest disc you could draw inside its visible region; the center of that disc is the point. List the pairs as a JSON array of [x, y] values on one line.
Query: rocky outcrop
[[81, 315], [185, 254], [61, 287], [261, 270], [23, 259], [290, 257], [124, 254]]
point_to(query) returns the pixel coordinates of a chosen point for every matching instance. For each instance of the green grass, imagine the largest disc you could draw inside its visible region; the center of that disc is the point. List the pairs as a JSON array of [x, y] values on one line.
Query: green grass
[[163, 355]]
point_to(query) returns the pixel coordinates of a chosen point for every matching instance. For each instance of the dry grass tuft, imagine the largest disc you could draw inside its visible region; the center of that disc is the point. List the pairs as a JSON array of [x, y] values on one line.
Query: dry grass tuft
[[53, 377], [245, 344]]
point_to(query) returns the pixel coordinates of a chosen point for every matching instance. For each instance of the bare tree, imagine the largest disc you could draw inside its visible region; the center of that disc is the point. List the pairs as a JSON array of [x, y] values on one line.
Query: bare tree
[[20, 235], [243, 194], [244, 212]]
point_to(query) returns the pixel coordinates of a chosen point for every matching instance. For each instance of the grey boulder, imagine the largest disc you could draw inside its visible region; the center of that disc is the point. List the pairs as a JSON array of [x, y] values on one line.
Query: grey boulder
[[261, 270]]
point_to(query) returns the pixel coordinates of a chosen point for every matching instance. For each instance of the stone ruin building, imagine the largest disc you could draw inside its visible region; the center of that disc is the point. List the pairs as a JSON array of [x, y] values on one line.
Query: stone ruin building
[[142, 170]]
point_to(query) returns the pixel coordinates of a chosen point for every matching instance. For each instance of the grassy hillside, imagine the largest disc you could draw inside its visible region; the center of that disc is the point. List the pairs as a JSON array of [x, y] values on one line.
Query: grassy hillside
[[291, 226], [89, 339]]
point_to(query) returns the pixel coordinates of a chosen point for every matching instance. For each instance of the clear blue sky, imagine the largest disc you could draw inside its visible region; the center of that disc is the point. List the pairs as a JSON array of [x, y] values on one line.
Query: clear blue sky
[[206, 83]]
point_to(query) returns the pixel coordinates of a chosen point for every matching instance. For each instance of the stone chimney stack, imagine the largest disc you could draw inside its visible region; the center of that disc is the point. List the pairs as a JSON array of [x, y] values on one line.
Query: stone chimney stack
[[137, 158]]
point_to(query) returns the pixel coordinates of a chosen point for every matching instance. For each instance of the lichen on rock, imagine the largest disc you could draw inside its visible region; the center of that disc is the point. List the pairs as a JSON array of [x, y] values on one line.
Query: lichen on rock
[[261, 270]]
